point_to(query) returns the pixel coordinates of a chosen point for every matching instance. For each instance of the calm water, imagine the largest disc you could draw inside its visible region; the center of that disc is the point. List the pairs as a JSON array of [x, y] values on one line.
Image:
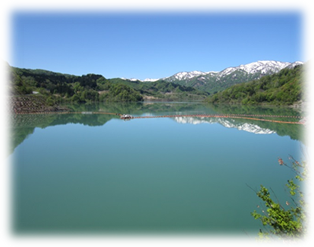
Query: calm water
[[97, 173]]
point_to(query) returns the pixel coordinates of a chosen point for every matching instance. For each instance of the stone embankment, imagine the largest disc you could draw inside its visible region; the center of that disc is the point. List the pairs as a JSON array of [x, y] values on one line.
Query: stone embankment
[[32, 104]]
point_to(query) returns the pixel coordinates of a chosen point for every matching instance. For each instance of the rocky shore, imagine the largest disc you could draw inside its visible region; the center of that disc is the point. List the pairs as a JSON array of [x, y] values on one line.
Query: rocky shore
[[32, 104]]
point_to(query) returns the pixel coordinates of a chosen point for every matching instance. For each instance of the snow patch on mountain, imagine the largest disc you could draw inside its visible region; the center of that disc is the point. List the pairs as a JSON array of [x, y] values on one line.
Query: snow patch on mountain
[[292, 65], [188, 75], [150, 79], [263, 67], [129, 79], [145, 80]]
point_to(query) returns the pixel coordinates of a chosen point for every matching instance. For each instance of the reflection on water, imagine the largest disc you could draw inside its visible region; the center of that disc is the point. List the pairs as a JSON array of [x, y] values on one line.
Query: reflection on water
[[228, 123], [17, 127], [97, 173]]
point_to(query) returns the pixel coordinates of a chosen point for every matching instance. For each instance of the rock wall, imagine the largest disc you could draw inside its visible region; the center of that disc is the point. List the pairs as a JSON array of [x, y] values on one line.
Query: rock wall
[[32, 104]]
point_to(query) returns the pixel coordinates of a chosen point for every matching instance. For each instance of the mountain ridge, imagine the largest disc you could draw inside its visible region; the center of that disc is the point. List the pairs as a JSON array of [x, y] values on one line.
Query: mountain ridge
[[214, 81], [283, 87]]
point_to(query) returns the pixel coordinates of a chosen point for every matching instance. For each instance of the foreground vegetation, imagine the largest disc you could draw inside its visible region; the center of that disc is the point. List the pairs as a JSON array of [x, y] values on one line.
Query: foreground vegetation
[[289, 220], [282, 88]]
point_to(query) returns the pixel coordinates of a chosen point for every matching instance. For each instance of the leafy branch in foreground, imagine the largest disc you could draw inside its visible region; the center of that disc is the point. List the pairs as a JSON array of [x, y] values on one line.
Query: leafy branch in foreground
[[284, 221]]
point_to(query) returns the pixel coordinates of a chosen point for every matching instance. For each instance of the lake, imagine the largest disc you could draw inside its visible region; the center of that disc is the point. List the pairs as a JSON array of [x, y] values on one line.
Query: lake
[[96, 173]]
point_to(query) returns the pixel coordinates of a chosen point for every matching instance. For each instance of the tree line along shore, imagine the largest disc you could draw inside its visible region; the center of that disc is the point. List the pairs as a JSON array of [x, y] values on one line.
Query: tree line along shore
[[42, 90]]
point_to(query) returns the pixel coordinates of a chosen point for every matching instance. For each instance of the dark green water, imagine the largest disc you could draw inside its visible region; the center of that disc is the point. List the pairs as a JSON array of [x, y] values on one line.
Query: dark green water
[[99, 174]]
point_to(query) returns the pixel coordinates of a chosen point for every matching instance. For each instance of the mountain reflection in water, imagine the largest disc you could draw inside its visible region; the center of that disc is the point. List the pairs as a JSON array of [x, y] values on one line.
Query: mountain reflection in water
[[98, 173], [24, 125]]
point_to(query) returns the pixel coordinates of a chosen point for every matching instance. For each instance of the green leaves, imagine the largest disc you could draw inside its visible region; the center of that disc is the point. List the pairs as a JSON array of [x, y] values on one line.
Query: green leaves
[[292, 186], [279, 220], [256, 215]]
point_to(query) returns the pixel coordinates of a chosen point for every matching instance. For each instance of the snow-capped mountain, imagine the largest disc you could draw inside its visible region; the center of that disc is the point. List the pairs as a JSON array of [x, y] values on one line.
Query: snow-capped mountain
[[149, 79], [145, 80], [189, 75], [252, 128], [130, 79], [263, 67], [292, 65], [215, 81]]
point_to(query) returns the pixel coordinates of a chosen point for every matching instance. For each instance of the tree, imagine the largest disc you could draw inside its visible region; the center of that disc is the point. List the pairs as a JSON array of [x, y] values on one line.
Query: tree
[[285, 87], [284, 221]]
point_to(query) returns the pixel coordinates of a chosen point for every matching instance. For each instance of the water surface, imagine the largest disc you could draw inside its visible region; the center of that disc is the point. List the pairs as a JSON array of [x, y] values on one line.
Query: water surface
[[96, 173]]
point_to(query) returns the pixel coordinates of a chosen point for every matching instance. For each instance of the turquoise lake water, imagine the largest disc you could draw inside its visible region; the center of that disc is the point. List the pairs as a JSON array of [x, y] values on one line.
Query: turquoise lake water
[[95, 173]]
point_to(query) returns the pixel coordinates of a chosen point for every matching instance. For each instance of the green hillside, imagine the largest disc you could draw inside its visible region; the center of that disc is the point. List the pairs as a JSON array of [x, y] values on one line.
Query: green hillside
[[212, 84], [64, 87], [283, 88], [163, 90], [58, 87], [12, 84]]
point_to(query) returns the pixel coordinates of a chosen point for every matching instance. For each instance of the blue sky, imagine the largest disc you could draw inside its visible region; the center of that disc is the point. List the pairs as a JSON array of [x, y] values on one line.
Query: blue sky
[[152, 45]]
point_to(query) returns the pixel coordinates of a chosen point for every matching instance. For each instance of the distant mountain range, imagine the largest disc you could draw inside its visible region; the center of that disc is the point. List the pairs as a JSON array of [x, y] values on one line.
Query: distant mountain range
[[214, 81]]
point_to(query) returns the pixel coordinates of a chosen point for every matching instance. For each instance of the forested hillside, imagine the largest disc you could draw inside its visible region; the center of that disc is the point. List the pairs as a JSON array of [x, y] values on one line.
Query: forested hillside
[[162, 90], [12, 84], [57, 87], [282, 88]]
